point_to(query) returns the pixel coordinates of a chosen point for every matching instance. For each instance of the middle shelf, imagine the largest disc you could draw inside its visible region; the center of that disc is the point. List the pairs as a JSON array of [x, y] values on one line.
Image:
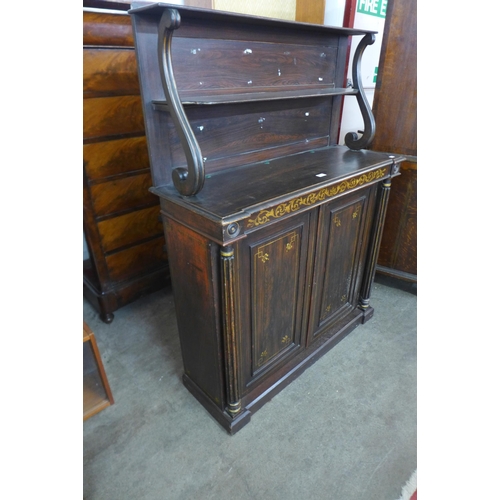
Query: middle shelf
[[236, 97]]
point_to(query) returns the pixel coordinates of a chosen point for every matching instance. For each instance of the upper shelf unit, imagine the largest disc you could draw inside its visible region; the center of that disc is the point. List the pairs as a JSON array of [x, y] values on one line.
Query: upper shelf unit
[[281, 82]]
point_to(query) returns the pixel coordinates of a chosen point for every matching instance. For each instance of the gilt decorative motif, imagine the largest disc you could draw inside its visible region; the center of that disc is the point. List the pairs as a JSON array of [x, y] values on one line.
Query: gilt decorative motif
[[263, 357], [264, 257], [264, 216], [289, 245]]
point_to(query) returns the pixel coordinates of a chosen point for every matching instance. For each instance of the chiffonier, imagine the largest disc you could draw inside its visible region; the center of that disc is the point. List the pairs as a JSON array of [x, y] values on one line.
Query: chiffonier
[[272, 229], [121, 218]]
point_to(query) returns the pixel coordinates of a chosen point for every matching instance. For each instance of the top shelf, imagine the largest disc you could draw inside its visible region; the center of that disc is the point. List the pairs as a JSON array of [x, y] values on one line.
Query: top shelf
[[231, 18], [210, 99]]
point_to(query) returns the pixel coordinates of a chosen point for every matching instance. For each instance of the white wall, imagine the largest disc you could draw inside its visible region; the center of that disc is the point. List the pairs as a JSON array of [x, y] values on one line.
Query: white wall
[[334, 12], [352, 120]]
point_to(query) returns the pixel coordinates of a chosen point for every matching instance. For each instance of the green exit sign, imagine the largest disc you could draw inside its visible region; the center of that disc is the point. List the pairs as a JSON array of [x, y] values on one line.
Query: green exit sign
[[372, 7]]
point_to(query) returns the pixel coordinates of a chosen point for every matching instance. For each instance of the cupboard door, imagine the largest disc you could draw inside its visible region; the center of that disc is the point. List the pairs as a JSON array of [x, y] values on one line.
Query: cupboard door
[[274, 273], [342, 243]]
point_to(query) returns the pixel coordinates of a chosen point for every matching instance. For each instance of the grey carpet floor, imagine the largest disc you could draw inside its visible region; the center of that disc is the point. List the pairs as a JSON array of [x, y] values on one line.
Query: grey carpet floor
[[346, 429]]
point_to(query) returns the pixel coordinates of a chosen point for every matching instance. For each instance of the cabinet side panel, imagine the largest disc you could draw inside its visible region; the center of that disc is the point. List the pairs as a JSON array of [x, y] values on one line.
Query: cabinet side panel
[[194, 271]]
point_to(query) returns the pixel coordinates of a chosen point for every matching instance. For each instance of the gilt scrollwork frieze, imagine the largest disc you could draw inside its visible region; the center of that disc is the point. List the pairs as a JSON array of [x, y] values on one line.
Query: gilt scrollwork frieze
[[267, 215]]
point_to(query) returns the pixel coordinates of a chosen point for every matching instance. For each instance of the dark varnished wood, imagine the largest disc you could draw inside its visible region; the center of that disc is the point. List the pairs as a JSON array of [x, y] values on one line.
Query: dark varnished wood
[[124, 236], [396, 88], [245, 66], [397, 81], [272, 259], [195, 273], [351, 139], [219, 97], [188, 181], [216, 56], [247, 129], [230, 333], [345, 226], [270, 182], [398, 251], [274, 268], [376, 235]]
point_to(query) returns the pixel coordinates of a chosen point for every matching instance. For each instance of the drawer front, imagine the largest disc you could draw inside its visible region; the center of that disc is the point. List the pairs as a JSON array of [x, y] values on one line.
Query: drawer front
[[130, 228], [342, 243], [107, 29], [137, 260], [109, 72], [112, 116], [122, 194], [104, 159]]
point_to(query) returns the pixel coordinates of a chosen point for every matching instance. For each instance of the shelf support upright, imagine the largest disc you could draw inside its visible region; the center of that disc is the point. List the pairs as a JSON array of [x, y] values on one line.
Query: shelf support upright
[[351, 139], [187, 181]]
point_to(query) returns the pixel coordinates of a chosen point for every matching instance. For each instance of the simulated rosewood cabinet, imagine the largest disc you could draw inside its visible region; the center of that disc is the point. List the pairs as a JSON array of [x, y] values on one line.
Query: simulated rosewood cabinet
[[272, 229]]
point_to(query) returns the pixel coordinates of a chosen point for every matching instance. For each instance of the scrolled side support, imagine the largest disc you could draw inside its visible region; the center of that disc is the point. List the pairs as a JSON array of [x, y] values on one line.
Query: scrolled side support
[[187, 181], [351, 139]]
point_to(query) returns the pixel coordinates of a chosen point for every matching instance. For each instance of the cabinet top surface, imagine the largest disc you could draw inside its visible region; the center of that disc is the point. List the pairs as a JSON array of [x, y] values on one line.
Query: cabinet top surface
[[252, 187], [156, 8]]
